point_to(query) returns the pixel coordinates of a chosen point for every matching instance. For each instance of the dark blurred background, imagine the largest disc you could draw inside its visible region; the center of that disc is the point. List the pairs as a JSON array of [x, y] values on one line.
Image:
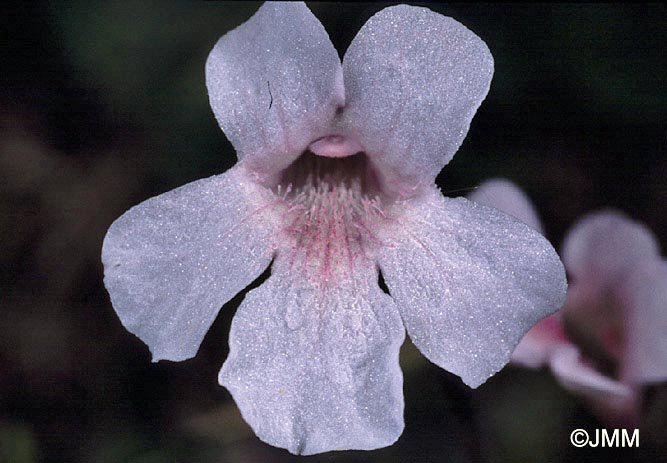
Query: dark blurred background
[[103, 105]]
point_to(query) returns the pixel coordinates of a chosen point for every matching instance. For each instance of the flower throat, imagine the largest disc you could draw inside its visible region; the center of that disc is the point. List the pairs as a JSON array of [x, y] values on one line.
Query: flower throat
[[330, 204]]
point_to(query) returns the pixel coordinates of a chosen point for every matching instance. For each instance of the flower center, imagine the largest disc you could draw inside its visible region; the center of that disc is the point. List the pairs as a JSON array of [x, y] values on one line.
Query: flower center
[[333, 209]]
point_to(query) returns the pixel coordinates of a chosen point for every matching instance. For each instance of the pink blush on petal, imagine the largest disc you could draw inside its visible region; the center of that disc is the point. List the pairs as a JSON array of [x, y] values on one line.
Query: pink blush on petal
[[551, 328], [538, 344], [331, 209], [548, 332]]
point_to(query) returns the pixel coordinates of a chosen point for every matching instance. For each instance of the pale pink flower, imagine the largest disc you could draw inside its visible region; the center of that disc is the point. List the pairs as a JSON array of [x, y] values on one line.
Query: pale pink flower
[[334, 184], [615, 312]]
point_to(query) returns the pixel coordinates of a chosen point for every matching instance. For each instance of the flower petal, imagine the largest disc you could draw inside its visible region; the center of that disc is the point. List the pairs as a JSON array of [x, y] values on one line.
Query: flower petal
[[604, 245], [413, 81], [171, 262], [315, 367], [537, 345], [508, 198], [616, 403], [579, 377], [469, 282], [644, 297], [274, 84]]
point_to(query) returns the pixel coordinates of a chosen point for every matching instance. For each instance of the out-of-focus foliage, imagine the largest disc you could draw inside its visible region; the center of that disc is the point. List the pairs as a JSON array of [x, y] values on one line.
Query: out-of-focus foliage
[[17, 444]]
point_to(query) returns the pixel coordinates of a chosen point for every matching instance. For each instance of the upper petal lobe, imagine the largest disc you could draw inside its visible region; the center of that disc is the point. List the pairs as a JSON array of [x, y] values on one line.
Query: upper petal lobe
[[603, 245], [413, 80], [274, 84]]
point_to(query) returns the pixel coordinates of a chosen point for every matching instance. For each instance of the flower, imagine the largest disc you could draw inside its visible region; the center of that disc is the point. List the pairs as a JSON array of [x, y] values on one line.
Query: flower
[[608, 340], [334, 184], [505, 196]]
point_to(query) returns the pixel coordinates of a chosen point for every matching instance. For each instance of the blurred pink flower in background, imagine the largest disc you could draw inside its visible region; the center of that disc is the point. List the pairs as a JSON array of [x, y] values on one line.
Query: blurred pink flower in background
[[335, 183], [610, 338]]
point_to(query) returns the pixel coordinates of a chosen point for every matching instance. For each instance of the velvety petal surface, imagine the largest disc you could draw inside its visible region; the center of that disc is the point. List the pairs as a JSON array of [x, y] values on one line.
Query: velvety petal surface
[[171, 262], [603, 245], [274, 84], [313, 366], [469, 281], [508, 198], [644, 297], [413, 80]]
